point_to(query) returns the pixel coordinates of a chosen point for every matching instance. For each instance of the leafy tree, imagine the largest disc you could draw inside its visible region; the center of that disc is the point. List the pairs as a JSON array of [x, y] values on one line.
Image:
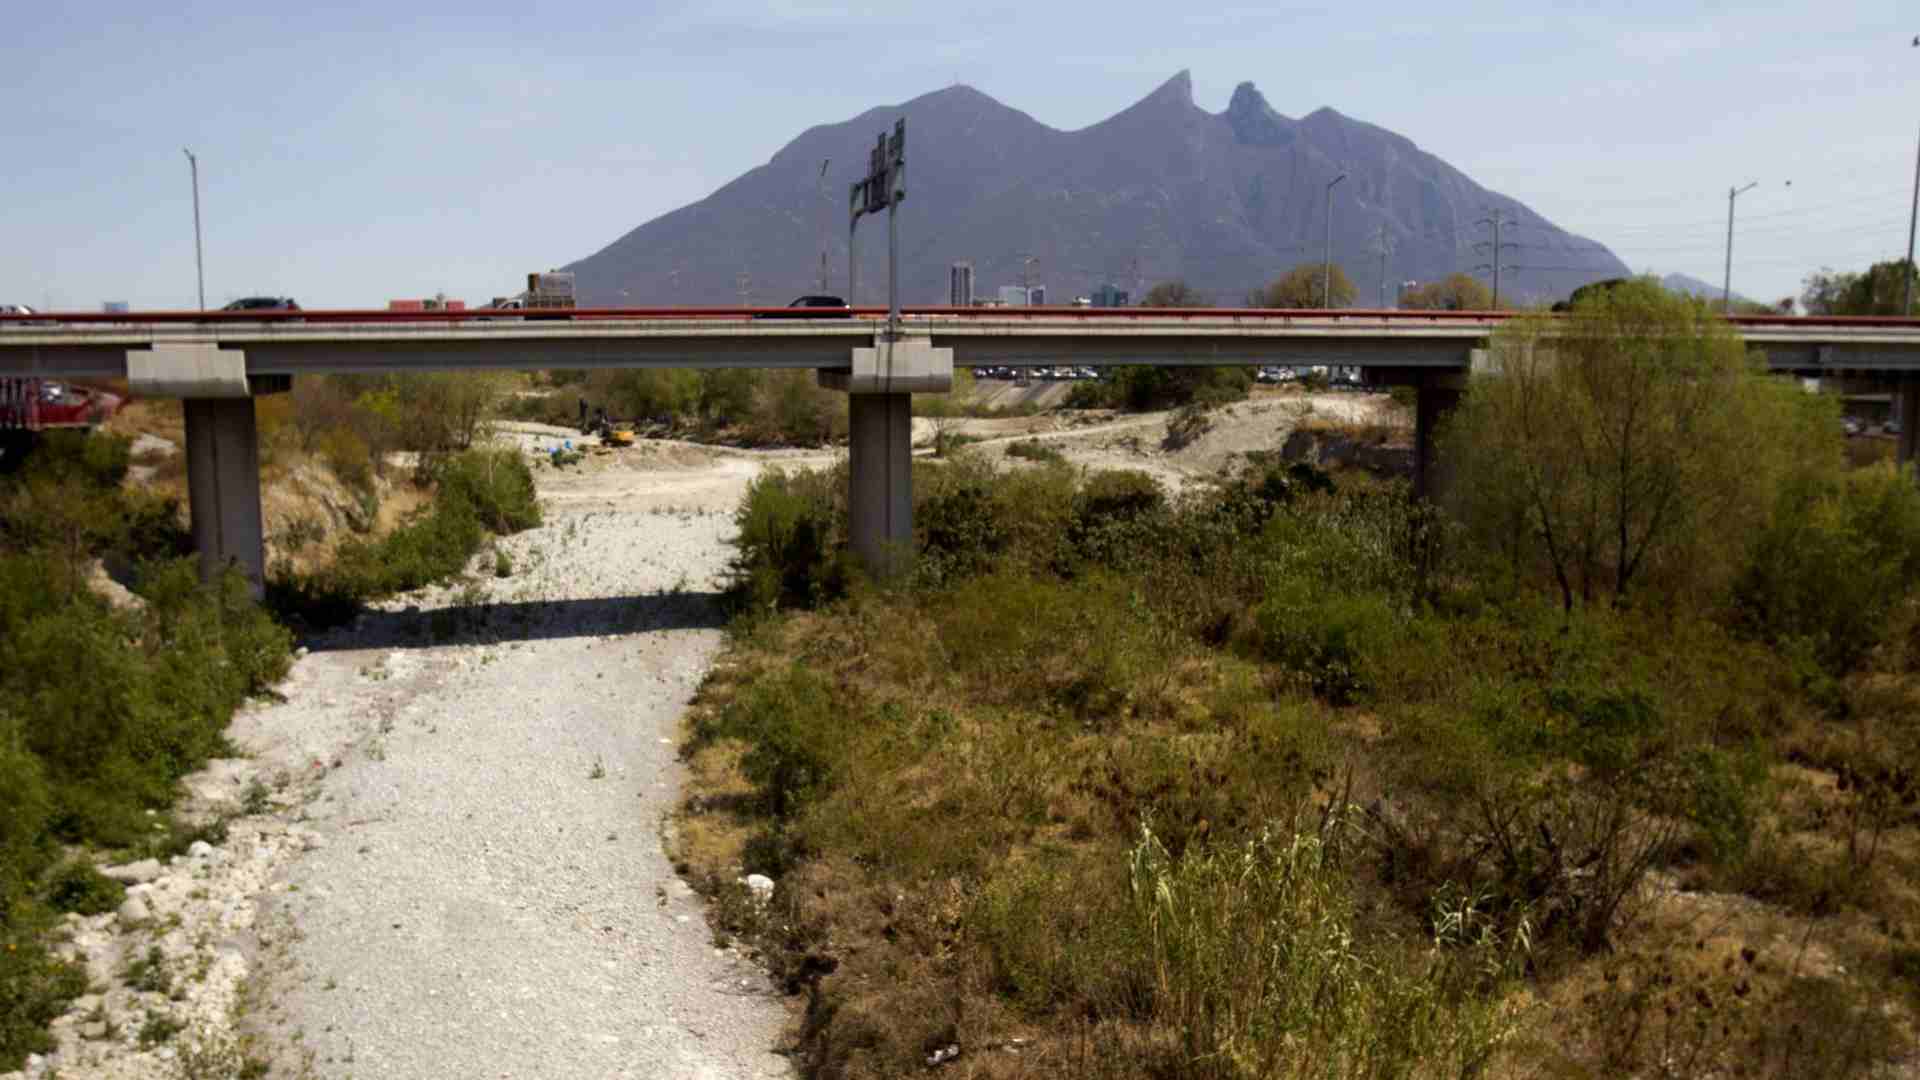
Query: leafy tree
[[1174, 294], [1301, 287], [1455, 292], [1631, 444], [1878, 291], [1171, 387]]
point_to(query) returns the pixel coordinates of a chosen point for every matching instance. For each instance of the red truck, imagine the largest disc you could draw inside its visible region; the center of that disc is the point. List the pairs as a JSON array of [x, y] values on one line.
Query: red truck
[[28, 404]]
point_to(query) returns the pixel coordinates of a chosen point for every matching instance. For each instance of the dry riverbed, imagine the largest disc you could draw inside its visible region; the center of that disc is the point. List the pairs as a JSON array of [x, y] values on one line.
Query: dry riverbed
[[443, 852]]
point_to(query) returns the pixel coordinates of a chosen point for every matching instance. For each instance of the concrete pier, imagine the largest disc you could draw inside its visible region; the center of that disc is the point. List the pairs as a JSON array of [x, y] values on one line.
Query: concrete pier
[[223, 487], [880, 482], [1907, 402], [1435, 396]]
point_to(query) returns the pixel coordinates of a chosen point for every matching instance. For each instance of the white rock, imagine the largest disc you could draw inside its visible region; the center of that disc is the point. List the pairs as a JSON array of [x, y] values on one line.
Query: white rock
[[134, 910], [761, 886], [200, 849], [144, 870]]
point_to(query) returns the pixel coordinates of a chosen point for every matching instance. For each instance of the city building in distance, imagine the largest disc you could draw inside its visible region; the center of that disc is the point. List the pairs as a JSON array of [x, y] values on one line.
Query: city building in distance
[[960, 284], [1109, 295]]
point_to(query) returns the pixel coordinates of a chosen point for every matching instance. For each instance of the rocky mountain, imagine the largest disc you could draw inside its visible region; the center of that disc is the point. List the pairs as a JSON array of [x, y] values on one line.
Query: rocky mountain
[[1162, 190], [1706, 290]]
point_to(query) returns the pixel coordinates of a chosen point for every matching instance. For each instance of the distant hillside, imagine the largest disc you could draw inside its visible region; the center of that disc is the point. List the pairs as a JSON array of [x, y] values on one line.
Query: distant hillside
[[1687, 283], [1161, 190]]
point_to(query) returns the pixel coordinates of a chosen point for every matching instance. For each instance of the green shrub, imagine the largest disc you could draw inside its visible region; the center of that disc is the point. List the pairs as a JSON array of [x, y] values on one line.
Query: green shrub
[[789, 542], [960, 532], [1827, 573], [1035, 450], [78, 886], [479, 490], [1332, 640], [1244, 961], [496, 484], [35, 988], [795, 731]]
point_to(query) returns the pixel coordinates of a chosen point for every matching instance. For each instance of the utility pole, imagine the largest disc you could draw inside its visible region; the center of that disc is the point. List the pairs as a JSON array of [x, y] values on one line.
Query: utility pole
[[1726, 288], [1906, 301], [744, 282], [1494, 219], [199, 269], [1326, 267], [1385, 243]]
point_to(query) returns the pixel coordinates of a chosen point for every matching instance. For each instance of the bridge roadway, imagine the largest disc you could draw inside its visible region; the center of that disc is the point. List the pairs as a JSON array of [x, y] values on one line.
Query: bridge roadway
[[216, 361]]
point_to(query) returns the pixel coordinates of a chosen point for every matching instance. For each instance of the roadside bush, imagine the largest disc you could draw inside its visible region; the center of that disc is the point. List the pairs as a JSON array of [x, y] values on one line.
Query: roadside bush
[[479, 491], [35, 988], [960, 533], [1109, 511], [791, 529], [791, 407], [1828, 571], [1330, 640], [497, 485], [78, 887], [795, 732], [1035, 450], [1244, 960], [1144, 389]]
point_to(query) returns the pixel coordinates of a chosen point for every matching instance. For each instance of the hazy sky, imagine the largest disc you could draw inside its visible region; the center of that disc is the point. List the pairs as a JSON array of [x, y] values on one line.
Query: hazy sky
[[365, 152]]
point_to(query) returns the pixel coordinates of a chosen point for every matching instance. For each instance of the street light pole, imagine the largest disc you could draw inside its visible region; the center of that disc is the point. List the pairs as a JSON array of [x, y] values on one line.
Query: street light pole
[[1326, 268], [1726, 289], [199, 270], [1906, 301]]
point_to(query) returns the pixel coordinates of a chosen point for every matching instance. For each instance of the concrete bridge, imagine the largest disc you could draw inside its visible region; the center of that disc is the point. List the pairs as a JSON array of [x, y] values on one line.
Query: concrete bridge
[[217, 362]]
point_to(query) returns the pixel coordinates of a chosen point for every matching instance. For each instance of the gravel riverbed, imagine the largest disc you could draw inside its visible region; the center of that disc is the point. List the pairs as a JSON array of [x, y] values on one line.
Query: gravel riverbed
[[445, 855]]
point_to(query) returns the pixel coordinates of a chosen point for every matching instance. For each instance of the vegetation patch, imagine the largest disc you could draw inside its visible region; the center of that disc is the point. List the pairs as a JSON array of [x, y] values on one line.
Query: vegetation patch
[[477, 493], [1282, 778], [102, 708]]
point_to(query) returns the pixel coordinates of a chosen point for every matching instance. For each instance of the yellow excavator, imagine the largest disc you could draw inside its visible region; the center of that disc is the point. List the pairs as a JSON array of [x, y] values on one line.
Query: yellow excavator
[[612, 433]]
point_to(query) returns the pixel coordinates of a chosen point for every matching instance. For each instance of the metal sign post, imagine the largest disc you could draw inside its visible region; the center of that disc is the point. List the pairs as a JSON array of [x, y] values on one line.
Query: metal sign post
[[883, 188]]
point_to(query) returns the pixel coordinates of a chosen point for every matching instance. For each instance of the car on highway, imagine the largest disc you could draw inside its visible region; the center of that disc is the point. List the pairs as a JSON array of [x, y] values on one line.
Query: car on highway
[[263, 303], [811, 307]]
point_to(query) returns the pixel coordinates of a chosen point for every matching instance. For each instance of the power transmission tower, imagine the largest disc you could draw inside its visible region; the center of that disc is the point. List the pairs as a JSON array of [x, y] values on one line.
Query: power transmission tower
[[1384, 247], [826, 209], [1494, 219], [744, 282]]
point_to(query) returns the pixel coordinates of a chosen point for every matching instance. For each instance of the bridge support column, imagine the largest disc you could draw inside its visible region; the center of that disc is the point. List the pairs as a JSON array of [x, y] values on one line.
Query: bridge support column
[[1907, 408], [880, 385], [223, 488], [1435, 396], [880, 479], [223, 455]]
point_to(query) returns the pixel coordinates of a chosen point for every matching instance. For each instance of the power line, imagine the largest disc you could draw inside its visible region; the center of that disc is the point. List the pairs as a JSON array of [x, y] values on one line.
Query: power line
[[1493, 219]]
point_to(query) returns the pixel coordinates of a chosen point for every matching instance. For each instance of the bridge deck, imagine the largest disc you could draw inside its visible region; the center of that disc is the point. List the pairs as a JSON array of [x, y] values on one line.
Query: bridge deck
[[307, 342]]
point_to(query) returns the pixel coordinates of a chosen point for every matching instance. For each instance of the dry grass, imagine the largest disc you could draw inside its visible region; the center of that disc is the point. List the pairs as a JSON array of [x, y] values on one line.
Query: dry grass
[[1651, 847]]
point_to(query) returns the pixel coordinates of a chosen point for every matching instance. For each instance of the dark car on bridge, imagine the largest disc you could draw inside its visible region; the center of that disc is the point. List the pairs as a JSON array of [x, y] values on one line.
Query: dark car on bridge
[[812, 307], [263, 303]]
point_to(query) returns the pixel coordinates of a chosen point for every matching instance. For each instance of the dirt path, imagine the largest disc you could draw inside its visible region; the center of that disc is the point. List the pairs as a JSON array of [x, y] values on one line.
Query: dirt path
[[489, 896]]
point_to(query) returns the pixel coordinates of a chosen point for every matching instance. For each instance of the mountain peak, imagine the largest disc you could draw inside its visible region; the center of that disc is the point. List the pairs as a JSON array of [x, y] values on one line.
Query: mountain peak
[[1175, 91], [1254, 122], [1164, 189]]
